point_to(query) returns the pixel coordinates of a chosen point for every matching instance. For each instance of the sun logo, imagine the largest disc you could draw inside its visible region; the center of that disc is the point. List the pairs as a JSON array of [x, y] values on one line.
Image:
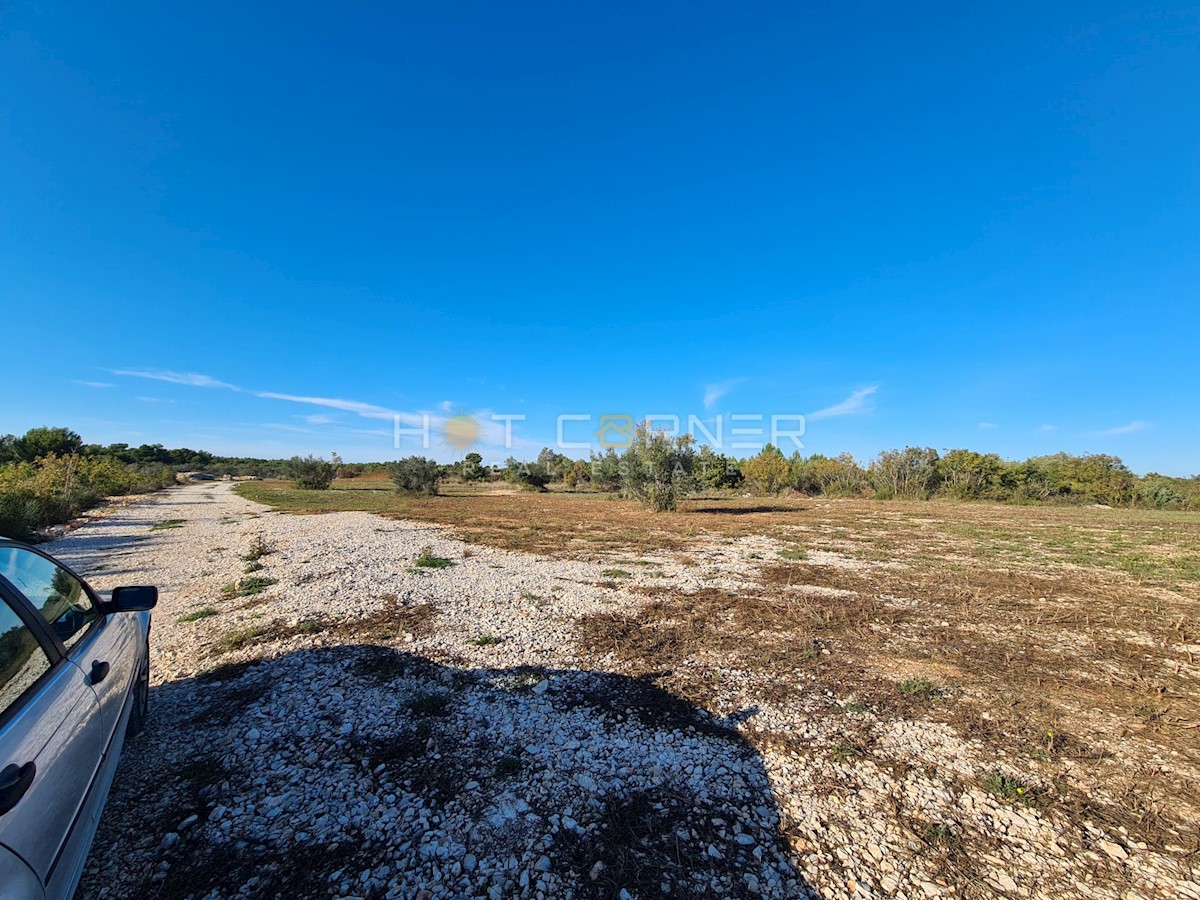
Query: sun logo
[[460, 432]]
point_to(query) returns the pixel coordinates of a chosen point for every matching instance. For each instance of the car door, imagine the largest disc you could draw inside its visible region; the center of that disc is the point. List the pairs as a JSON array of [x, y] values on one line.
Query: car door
[[51, 741], [104, 647]]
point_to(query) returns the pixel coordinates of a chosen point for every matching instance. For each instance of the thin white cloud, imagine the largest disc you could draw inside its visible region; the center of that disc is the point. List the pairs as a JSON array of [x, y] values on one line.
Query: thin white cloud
[[857, 402], [987, 426], [154, 400], [94, 384], [1122, 429], [194, 379], [318, 419], [1046, 428], [446, 406], [292, 428], [714, 392], [367, 410]]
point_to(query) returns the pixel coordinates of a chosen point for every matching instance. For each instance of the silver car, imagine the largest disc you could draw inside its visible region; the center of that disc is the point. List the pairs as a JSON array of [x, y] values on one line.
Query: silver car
[[74, 683]]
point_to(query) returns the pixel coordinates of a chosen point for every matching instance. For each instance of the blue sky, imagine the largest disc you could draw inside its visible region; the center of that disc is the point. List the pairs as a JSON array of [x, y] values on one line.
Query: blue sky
[[264, 230]]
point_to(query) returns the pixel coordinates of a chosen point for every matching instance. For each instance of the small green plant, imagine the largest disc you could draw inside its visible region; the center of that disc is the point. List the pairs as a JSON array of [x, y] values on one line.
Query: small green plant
[[941, 835], [518, 682], [428, 561], [255, 566], [427, 705], [167, 523], [239, 638], [844, 752], [247, 586], [485, 640], [921, 688], [258, 549], [508, 766], [616, 573], [311, 626], [1012, 789], [793, 554], [855, 706], [203, 613]]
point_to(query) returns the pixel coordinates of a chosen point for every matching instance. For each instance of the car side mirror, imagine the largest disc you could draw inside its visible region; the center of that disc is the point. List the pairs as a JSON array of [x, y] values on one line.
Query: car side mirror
[[134, 598]]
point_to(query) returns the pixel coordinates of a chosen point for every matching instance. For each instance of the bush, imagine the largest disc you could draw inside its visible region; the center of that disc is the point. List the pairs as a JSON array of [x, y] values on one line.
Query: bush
[[605, 470], [716, 470], [657, 469], [767, 473], [21, 514], [311, 472], [966, 475], [530, 476], [350, 470], [415, 475], [909, 474], [838, 476]]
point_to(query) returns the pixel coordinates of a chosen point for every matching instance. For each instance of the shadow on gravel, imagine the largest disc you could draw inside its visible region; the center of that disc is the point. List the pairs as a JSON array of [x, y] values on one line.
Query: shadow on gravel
[[366, 771]]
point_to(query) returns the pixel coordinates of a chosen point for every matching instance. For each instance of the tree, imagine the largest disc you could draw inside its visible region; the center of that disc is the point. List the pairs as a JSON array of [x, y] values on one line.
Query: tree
[[767, 473], [37, 442], [415, 475], [836, 476], [575, 474], [606, 470], [967, 475], [311, 472], [657, 469], [716, 470], [472, 467]]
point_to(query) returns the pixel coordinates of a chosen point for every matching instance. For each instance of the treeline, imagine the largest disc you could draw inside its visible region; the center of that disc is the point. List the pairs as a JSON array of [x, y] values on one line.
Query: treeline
[[49, 475], [912, 473]]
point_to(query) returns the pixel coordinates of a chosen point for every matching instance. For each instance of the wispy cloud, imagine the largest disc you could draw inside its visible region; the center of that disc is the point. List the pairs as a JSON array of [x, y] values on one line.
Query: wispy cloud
[[367, 410], [987, 426], [194, 379], [714, 392], [94, 384], [154, 400], [857, 402], [1122, 429], [292, 428], [1047, 428], [318, 419]]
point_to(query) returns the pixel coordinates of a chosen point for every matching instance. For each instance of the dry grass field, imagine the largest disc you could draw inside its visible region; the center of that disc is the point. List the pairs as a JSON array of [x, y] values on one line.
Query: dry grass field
[[1059, 644]]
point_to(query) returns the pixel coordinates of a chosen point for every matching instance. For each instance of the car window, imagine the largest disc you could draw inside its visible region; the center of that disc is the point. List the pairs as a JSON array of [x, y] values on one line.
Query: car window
[[56, 593], [22, 659]]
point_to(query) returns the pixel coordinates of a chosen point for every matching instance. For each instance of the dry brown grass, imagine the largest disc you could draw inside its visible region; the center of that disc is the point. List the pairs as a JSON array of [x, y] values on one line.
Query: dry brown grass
[[1064, 639]]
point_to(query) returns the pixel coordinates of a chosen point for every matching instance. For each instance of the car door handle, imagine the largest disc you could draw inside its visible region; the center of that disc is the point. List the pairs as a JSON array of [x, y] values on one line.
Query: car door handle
[[99, 671], [14, 782]]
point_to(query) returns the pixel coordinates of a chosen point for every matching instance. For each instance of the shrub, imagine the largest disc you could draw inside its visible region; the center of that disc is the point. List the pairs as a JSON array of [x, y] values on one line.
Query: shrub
[[967, 475], [350, 470], [767, 473], [605, 470], [910, 474], [837, 476], [21, 514], [471, 468], [716, 470], [415, 475], [657, 469], [311, 472]]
